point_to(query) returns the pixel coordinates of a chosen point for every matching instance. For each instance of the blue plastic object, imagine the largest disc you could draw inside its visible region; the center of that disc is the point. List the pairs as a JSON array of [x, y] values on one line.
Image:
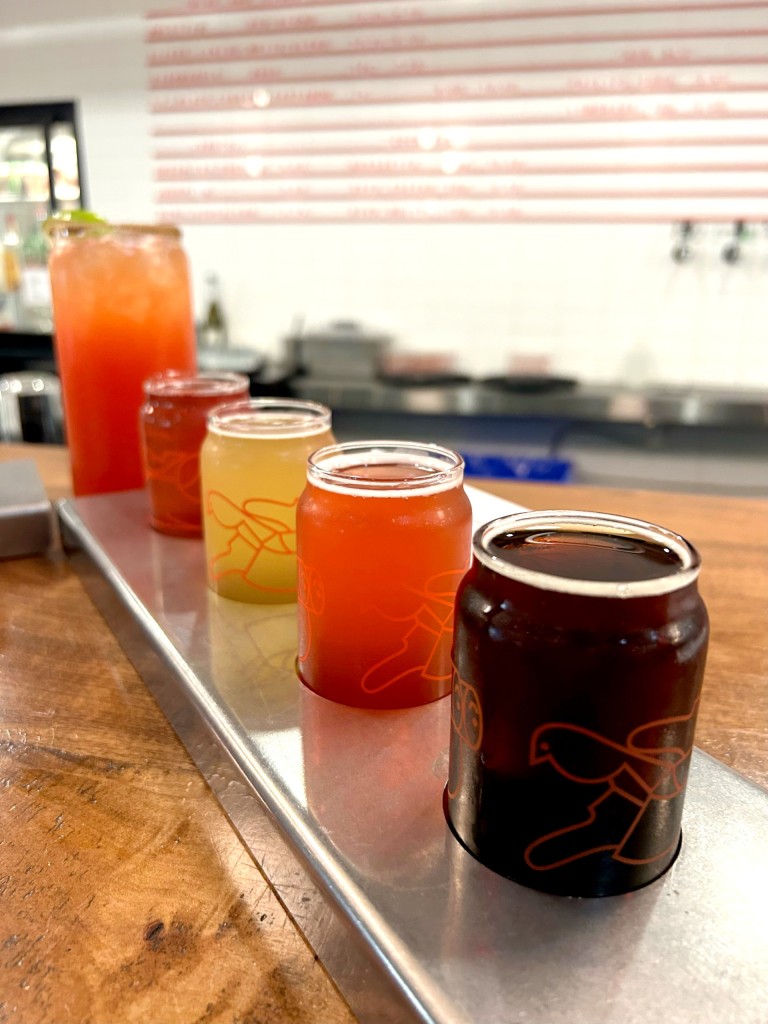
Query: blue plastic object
[[517, 467]]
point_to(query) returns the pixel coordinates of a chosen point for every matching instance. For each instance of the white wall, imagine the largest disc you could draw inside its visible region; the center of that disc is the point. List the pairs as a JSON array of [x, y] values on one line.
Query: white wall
[[599, 301]]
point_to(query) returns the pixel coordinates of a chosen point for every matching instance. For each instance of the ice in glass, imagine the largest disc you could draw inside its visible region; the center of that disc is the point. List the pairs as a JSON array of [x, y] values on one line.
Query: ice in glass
[[122, 312]]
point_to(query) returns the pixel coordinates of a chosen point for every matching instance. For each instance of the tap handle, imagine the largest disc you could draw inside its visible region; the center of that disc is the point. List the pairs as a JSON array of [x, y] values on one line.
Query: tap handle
[[682, 251]]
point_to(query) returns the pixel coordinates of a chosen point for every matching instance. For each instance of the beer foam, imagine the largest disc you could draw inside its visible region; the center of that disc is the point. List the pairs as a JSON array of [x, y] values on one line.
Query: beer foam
[[203, 385], [266, 418], [589, 522], [261, 425], [333, 469]]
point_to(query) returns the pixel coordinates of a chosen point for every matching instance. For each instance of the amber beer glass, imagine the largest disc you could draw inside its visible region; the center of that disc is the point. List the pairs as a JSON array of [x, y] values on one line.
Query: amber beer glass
[[384, 532], [173, 427], [579, 654]]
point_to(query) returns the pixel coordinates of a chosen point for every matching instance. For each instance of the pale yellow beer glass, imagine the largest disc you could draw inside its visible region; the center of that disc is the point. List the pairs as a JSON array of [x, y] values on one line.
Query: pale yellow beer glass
[[253, 467]]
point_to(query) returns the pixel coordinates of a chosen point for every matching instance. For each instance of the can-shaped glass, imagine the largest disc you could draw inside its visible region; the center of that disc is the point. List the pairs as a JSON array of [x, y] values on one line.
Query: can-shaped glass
[[253, 467], [122, 312], [579, 655], [384, 534], [173, 426]]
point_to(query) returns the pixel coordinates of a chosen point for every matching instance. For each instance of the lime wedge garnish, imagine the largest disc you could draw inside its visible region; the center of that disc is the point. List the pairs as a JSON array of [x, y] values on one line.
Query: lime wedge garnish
[[73, 219]]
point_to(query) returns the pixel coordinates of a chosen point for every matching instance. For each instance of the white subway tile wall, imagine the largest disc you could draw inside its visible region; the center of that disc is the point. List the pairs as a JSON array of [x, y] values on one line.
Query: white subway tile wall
[[601, 302]]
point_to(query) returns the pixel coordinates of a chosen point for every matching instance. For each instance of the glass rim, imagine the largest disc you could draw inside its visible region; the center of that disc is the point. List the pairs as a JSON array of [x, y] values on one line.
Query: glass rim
[[163, 230], [596, 522], [101, 229], [444, 468], [269, 417], [202, 384]]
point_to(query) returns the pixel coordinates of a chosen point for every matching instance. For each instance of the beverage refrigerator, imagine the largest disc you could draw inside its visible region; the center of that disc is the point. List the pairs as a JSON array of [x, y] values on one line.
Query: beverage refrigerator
[[41, 172]]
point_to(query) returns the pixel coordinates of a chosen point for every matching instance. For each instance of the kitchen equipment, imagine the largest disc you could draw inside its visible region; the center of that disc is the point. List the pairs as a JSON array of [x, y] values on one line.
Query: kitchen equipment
[[424, 379], [422, 369], [530, 383], [30, 407], [341, 350]]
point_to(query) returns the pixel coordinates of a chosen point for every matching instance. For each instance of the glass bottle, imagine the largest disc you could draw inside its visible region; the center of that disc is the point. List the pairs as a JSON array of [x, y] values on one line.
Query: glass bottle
[[213, 329]]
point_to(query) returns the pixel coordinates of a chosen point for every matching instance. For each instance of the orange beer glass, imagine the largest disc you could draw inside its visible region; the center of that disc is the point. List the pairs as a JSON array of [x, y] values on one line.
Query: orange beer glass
[[122, 312], [383, 534]]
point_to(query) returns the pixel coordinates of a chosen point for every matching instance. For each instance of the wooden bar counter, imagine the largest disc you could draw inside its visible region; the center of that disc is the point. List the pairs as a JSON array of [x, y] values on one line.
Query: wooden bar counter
[[125, 894]]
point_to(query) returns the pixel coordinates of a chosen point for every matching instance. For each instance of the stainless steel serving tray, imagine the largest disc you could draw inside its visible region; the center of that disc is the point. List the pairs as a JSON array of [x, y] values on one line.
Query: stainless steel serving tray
[[410, 926]]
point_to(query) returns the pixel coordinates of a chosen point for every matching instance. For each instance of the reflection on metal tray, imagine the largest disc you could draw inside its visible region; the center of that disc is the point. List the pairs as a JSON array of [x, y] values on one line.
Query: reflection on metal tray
[[435, 936]]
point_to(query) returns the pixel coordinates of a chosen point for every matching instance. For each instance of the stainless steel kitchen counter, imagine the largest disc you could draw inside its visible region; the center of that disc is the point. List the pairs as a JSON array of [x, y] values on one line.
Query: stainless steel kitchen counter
[[649, 407], [704, 440]]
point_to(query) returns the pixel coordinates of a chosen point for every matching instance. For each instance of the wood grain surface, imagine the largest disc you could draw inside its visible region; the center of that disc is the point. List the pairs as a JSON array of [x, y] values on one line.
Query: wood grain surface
[[125, 895]]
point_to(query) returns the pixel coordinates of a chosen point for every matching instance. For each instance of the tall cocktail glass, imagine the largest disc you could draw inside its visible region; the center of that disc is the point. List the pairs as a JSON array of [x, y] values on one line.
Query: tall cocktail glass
[[122, 312]]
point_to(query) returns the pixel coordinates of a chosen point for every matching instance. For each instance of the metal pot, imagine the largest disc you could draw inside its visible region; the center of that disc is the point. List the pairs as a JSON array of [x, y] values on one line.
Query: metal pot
[[341, 350]]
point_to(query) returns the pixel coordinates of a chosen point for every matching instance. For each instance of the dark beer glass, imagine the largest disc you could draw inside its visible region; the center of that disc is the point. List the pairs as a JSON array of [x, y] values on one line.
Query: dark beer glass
[[579, 651]]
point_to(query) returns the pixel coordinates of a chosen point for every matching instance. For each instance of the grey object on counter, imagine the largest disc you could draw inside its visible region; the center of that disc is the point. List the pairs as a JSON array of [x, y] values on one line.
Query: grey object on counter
[[26, 516], [434, 936], [231, 360], [341, 349]]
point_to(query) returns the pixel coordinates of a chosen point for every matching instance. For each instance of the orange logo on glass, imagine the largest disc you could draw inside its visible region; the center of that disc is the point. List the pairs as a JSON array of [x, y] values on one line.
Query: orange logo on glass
[[177, 468], [635, 775], [257, 527], [466, 723], [180, 471], [421, 647], [311, 601]]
